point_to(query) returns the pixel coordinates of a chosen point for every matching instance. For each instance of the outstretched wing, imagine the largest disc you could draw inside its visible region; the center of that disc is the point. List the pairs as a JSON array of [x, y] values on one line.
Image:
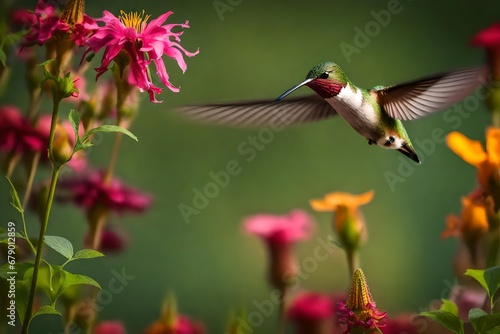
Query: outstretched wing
[[264, 112], [421, 97]]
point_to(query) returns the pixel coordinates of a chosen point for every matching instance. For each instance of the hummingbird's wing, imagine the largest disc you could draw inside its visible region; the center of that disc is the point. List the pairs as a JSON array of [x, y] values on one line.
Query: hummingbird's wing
[[421, 97], [263, 112]]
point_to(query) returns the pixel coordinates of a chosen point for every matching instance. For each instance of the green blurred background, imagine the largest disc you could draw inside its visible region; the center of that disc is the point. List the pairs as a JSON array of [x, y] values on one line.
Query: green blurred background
[[258, 49]]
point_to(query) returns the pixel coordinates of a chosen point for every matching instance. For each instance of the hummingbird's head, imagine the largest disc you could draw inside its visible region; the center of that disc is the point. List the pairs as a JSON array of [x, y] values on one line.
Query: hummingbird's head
[[326, 79]]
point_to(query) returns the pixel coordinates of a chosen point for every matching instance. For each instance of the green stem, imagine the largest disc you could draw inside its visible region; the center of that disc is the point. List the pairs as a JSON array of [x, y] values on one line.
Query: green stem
[[352, 262], [56, 168], [11, 163], [43, 230]]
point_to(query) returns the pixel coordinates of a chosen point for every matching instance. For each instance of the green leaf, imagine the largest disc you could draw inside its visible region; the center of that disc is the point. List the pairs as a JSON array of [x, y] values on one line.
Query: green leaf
[[20, 269], [4, 237], [22, 293], [108, 128], [87, 254], [492, 278], [475, 313], [69, 279], [74, 119], [449, 306], [16, 202], [483, 322], [47, 309], [61, 245], [446, 319], [489, 279], [478, 275]]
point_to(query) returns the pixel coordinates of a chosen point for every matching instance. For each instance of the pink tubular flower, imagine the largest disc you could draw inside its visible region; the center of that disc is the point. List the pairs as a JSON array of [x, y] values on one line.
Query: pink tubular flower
[[279, 233], [89, 190], [143, 43], [110, 327]]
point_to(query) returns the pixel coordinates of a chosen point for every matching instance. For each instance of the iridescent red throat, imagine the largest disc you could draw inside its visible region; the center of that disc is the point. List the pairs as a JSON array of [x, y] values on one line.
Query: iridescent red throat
[[325, 88]]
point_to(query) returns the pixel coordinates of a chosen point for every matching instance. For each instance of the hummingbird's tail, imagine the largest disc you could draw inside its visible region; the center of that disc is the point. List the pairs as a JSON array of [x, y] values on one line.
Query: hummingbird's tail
[[408, 150]]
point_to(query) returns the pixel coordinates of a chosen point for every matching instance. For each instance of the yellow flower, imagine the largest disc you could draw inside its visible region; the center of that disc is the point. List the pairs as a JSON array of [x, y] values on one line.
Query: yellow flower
[[472, 152], [349, 222]]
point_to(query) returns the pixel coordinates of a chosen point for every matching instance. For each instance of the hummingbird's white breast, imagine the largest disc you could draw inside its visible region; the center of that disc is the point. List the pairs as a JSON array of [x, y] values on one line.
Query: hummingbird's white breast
[[357, 110]]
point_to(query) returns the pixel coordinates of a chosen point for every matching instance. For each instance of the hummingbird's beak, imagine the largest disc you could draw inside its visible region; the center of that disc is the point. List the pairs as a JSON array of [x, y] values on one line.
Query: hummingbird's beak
[[409, 152], [293, 88]]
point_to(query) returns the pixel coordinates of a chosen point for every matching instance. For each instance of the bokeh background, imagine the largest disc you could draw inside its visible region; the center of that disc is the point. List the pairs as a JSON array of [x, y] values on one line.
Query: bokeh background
[[258, 49]]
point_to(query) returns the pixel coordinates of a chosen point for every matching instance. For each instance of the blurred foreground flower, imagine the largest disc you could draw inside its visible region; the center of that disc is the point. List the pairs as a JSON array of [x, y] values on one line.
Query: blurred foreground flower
[[360, 313], [349, 223], [110, 327], [313, 313], [472, 225], [489, 39], [401, 324], [171, 322], [280, 233], [487, 163], [130, 40]]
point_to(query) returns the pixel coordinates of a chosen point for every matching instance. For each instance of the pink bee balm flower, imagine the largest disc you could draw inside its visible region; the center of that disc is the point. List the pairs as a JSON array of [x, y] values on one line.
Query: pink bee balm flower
[[47, 23], [279, 233], [17, 134], [90, 190], [488, 38], [312, 313], [110, 327], [142, 43]]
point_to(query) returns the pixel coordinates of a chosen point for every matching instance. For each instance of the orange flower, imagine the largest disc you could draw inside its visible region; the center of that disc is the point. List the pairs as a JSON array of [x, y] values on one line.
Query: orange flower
[[472, 224], [472, 152], [349, 222]]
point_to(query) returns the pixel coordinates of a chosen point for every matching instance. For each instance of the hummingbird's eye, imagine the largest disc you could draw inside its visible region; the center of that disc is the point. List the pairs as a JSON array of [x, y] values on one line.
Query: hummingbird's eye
[[324, 75]]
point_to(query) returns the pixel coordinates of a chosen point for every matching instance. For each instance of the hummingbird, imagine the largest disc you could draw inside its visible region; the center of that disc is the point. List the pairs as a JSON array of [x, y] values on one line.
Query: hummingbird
[[375, 113]]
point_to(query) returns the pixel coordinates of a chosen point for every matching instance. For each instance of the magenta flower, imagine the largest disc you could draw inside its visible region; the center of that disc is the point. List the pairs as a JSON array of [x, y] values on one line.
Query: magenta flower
[[400, 324], [488, 38], [110, 327], [360, 312], [280, 233], [47, 23], [90, 190], [312, 313], [17, 134], [143, 43], [111, 242]]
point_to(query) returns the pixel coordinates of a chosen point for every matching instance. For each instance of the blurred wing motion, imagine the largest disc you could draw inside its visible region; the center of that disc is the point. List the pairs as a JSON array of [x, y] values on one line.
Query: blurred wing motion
[[421, 97], [264, 112]]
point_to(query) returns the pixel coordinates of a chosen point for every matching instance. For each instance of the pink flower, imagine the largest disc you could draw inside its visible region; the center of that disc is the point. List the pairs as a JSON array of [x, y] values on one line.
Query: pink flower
[[89, 190], [360, 312], [48, 23], [488, 38], [110, 327], [143, 43], [467, 298], [311, 306], [280, 233], [295, 226], [17, 134], [401, 324]]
